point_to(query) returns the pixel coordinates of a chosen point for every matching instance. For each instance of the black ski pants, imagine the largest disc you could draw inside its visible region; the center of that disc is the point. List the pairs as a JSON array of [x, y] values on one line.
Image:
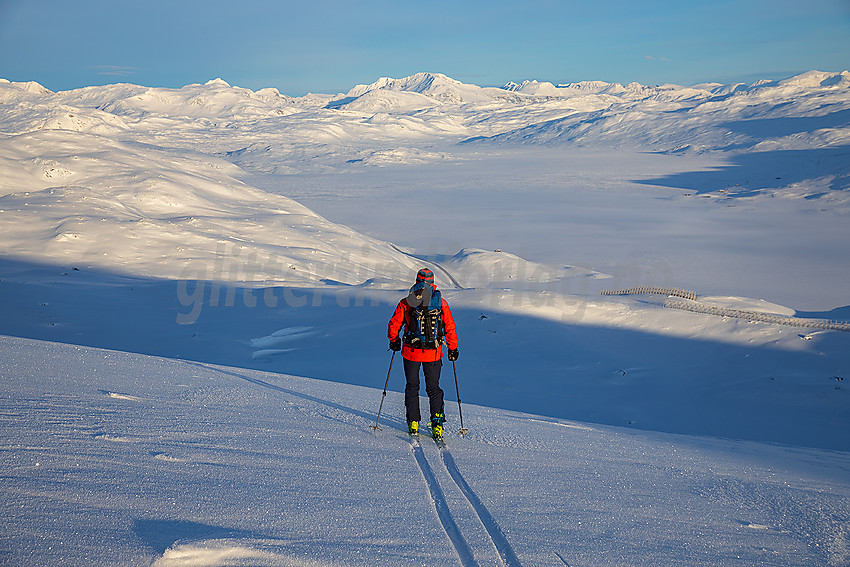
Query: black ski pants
[[431, 370]]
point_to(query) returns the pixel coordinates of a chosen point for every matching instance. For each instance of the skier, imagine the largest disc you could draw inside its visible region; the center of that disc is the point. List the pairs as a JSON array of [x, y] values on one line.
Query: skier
[[428, 323]]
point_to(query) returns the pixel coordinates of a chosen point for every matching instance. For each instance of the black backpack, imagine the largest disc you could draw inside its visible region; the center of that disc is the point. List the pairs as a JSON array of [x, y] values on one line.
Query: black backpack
[[425, 328]]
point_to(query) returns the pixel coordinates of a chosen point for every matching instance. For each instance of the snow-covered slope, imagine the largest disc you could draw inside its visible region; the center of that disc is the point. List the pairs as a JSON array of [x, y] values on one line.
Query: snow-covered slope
[[195, 285], [79, 198], [153, 168], [113, 458], [701, 118], [308, 133]]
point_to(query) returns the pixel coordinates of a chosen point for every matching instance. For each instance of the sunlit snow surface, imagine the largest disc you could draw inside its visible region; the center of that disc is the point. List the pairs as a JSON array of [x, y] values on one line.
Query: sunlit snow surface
[[195, 286], [119, 459]]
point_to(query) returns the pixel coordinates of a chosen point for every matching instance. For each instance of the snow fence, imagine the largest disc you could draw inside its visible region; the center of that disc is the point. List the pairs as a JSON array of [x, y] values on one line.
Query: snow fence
[[697, 307], [691, 303], [653, 290]]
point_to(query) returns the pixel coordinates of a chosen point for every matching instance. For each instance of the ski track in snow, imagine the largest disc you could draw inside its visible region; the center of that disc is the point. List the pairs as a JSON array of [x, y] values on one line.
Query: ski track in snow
[[435, 491], [506, 552], [441, 506]]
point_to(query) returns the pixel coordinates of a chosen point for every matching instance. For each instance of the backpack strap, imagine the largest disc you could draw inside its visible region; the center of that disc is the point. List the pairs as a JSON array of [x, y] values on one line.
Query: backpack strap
[[435, 309], [440, 327]]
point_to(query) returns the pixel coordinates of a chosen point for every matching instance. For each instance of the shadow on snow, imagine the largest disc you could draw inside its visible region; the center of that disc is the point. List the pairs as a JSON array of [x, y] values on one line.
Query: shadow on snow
[[162, 534], [580, 372], [749, 174]]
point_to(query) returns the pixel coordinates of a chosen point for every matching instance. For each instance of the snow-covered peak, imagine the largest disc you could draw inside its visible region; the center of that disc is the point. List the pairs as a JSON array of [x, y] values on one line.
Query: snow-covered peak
[[15, 92], [434, 105], [533, 88], [214, 100], [218, 82], [423, 83], [583, 88], [592, 87], [33, 87], [436, 86], [812, 79]]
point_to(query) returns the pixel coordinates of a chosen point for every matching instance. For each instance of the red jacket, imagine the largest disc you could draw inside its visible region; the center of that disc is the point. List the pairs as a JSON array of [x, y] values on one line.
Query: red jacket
[[401, 318]]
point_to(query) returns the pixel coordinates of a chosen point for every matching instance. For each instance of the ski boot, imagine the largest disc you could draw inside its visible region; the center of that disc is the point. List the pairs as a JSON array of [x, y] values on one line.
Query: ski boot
[[413, 427], [437, 425]]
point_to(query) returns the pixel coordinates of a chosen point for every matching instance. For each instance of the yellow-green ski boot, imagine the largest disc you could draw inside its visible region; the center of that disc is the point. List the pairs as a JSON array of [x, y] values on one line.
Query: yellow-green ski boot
[[437, 426], [413, 427]]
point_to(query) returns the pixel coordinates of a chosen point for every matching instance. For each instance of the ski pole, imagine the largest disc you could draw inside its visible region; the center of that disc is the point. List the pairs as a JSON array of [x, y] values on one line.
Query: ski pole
[[384, 395], [463, 431]]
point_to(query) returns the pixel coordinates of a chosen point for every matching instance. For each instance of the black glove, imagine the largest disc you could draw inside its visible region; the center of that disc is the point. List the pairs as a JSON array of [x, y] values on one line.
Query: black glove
[[453, 354], [395, 344]]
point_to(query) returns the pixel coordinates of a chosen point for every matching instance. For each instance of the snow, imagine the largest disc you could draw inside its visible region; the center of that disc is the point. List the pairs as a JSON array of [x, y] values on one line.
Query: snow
[[435, 86], [195, 285], [119, 458]]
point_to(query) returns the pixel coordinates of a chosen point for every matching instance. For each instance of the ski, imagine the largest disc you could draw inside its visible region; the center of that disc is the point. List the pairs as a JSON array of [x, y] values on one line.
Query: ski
[[437, 437]]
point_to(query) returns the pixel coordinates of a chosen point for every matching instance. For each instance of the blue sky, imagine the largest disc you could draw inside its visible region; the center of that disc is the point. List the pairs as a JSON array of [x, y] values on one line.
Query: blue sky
[[331, 45]]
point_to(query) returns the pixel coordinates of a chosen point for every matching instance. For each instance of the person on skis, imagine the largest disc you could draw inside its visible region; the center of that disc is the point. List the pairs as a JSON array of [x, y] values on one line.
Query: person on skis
[[428, 324]]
